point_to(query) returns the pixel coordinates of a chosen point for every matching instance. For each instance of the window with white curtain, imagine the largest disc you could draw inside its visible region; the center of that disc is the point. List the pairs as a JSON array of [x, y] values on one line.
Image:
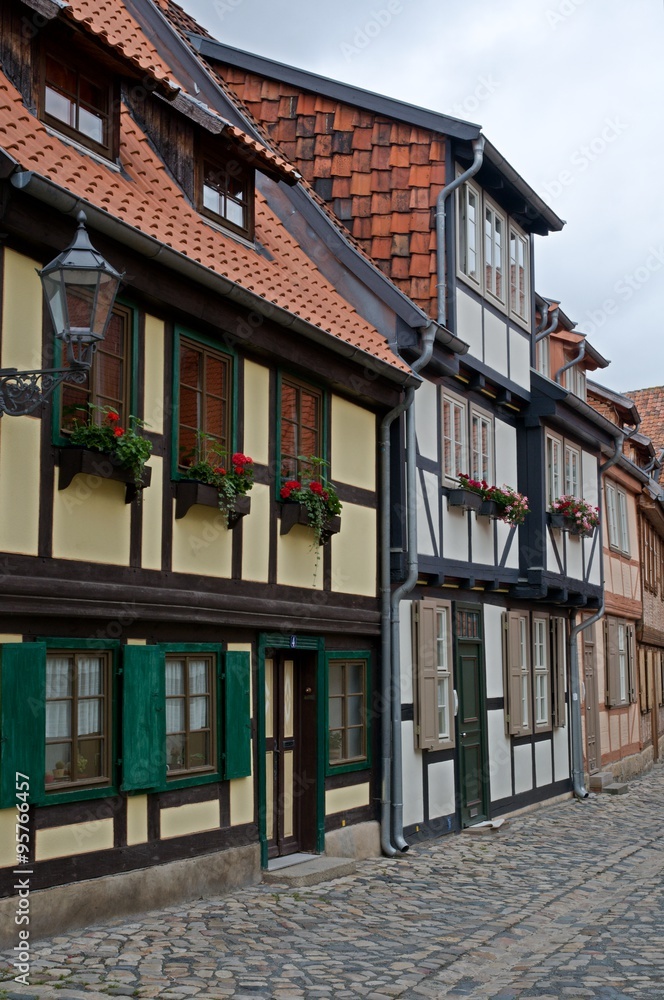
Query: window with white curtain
[[77, 718], [190, 713]]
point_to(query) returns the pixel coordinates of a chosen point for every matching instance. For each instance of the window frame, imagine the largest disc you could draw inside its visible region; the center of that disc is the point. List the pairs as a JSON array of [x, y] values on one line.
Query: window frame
[[461, 406], [73, 60], [131, 365], [617, 518], [554, 467], [323, 431], [490, 206], [573, 485], [619, 670], [461, 231], [543, 357], [541, 671], [520, 237], [213, 713], [484, 418], [427, 674], [363, 764], [210, 154], [530, 662], [207, 345]]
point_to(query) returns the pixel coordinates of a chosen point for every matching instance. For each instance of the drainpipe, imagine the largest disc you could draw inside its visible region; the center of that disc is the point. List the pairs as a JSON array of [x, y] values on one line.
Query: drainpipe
[[573, 648], [570, 364], [478, 151], [550, 327]]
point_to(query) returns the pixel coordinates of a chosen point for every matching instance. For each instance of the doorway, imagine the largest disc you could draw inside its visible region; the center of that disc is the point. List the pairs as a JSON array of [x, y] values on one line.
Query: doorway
[[290, 752], [471, 720]]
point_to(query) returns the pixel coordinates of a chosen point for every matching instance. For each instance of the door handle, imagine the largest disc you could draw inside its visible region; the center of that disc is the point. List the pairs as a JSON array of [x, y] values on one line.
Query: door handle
[[463, 734]]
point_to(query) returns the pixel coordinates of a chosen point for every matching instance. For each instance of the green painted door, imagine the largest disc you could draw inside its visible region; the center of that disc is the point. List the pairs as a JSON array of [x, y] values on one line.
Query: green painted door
[[471, 734]]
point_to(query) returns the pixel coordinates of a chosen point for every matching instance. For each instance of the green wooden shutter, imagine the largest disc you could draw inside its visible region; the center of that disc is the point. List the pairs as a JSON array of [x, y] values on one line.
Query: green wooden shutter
[[143, 719], [237, 728], [22, 719], [558, 660], [426, 728]]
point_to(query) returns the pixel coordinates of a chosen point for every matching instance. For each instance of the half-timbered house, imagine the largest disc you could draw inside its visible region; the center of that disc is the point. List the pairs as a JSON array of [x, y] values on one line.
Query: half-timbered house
[[188, 693]]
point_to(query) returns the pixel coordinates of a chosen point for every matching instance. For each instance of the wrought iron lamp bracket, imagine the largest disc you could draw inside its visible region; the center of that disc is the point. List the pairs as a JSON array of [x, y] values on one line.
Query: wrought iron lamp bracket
[[22, 393]]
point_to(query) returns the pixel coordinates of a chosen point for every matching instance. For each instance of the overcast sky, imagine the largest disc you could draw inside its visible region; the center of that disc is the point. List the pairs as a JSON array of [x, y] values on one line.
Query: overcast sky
[[570, 91]]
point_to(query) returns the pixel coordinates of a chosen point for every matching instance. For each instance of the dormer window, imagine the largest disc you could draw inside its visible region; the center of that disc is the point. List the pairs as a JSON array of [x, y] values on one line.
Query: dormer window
[[226, 192], [77, 104]]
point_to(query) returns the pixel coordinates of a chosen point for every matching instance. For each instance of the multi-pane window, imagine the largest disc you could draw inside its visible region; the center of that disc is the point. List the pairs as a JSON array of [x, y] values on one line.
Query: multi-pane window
[[347, 723], [620, 684], [572, 470], [433, 676], [519, 297], [301, 427], [226, 193], [494, 253], [575, 380], [481, 451], [553, 468], [652, 557], [77, 719], [534, 658], [541, 671], [542, 357], [524, 679], [107, 382], [78, 102], [616, 518], [190, 713], [469, 250], [454, 437], [204, 413]]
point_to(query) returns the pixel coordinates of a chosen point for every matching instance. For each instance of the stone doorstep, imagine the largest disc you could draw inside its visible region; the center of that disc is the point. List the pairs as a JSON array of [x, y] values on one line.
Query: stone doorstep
[[320, 869], [599, 781], [616, 788]]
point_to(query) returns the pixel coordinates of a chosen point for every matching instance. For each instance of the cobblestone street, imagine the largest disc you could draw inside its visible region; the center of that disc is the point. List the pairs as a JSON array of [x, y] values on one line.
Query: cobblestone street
[[566, 901]]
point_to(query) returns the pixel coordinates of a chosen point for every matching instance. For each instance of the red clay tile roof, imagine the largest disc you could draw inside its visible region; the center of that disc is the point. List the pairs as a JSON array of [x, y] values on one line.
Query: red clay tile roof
[[650, 404], [144, 196], [111, 21], [394, 173]]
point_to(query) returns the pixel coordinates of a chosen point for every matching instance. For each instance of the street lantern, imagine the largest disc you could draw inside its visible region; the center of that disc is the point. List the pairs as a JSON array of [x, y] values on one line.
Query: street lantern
[[80, 289]]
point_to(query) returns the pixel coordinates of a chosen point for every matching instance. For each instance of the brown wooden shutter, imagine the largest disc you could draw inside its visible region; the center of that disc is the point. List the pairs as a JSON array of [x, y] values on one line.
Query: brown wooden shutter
[[612, 672], [643, 656], [426, 675], [512, 659], [558, 661], [658, 662], [631, 666]]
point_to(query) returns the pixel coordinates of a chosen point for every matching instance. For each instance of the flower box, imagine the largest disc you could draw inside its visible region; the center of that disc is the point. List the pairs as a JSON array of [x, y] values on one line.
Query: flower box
[[575, 529], [490, 508], [74, 460], [189, 492], [463, 499], [293, 513], [558, 521]]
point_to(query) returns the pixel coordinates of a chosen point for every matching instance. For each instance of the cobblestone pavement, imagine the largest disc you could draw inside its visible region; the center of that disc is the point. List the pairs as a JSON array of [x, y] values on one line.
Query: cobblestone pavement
[[566, 901]]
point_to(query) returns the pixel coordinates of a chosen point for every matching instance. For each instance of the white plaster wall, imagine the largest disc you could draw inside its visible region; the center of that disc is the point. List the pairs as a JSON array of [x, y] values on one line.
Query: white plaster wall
[[483, 550], [442, 789], [551, 561], [495, 343], [519, 359], [543, 764], [469, 322], [506, 468], [426, 408], [413, 800], [493, 646], [455, 533], [500, 765], [425, 543], [512, 561], [523, 769], [561, 751], [594, 574], [589, 474], [574, 557], [406, 648]]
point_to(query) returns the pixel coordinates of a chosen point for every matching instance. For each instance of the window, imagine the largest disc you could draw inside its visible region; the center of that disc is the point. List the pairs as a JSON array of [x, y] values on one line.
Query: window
[[519, 291], [575, 380], [204, 397], [616, 518], [572, 467], [619, 648], [454, 437], [77, 719], [481, 429], [469, 250], [542, 357], [494, 253], [433, 681], [652, 557], [301, 427], [190, 713], [534, 657], [553, 468], [79, 102], [347, 698], [107, 383], [226, 190]]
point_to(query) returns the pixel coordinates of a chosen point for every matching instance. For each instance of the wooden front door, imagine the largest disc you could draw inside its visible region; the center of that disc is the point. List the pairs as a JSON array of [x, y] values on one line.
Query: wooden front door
[[290, 753], [593, 752], [471, 731]]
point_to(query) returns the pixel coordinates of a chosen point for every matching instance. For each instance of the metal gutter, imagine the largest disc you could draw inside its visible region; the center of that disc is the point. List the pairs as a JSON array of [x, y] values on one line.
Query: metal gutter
[[69, 204]]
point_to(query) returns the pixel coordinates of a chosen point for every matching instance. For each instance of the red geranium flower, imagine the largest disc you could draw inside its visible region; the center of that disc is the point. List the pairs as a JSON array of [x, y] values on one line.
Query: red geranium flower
[[316, 488], [220, 471], [118, 431], [112, 416], [238, 469]]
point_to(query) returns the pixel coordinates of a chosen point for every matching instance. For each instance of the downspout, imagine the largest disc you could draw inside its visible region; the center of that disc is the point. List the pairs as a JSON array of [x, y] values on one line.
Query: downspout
[[570, 364], [550, 327], [573, 648], [478, 151], [391, 817]]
